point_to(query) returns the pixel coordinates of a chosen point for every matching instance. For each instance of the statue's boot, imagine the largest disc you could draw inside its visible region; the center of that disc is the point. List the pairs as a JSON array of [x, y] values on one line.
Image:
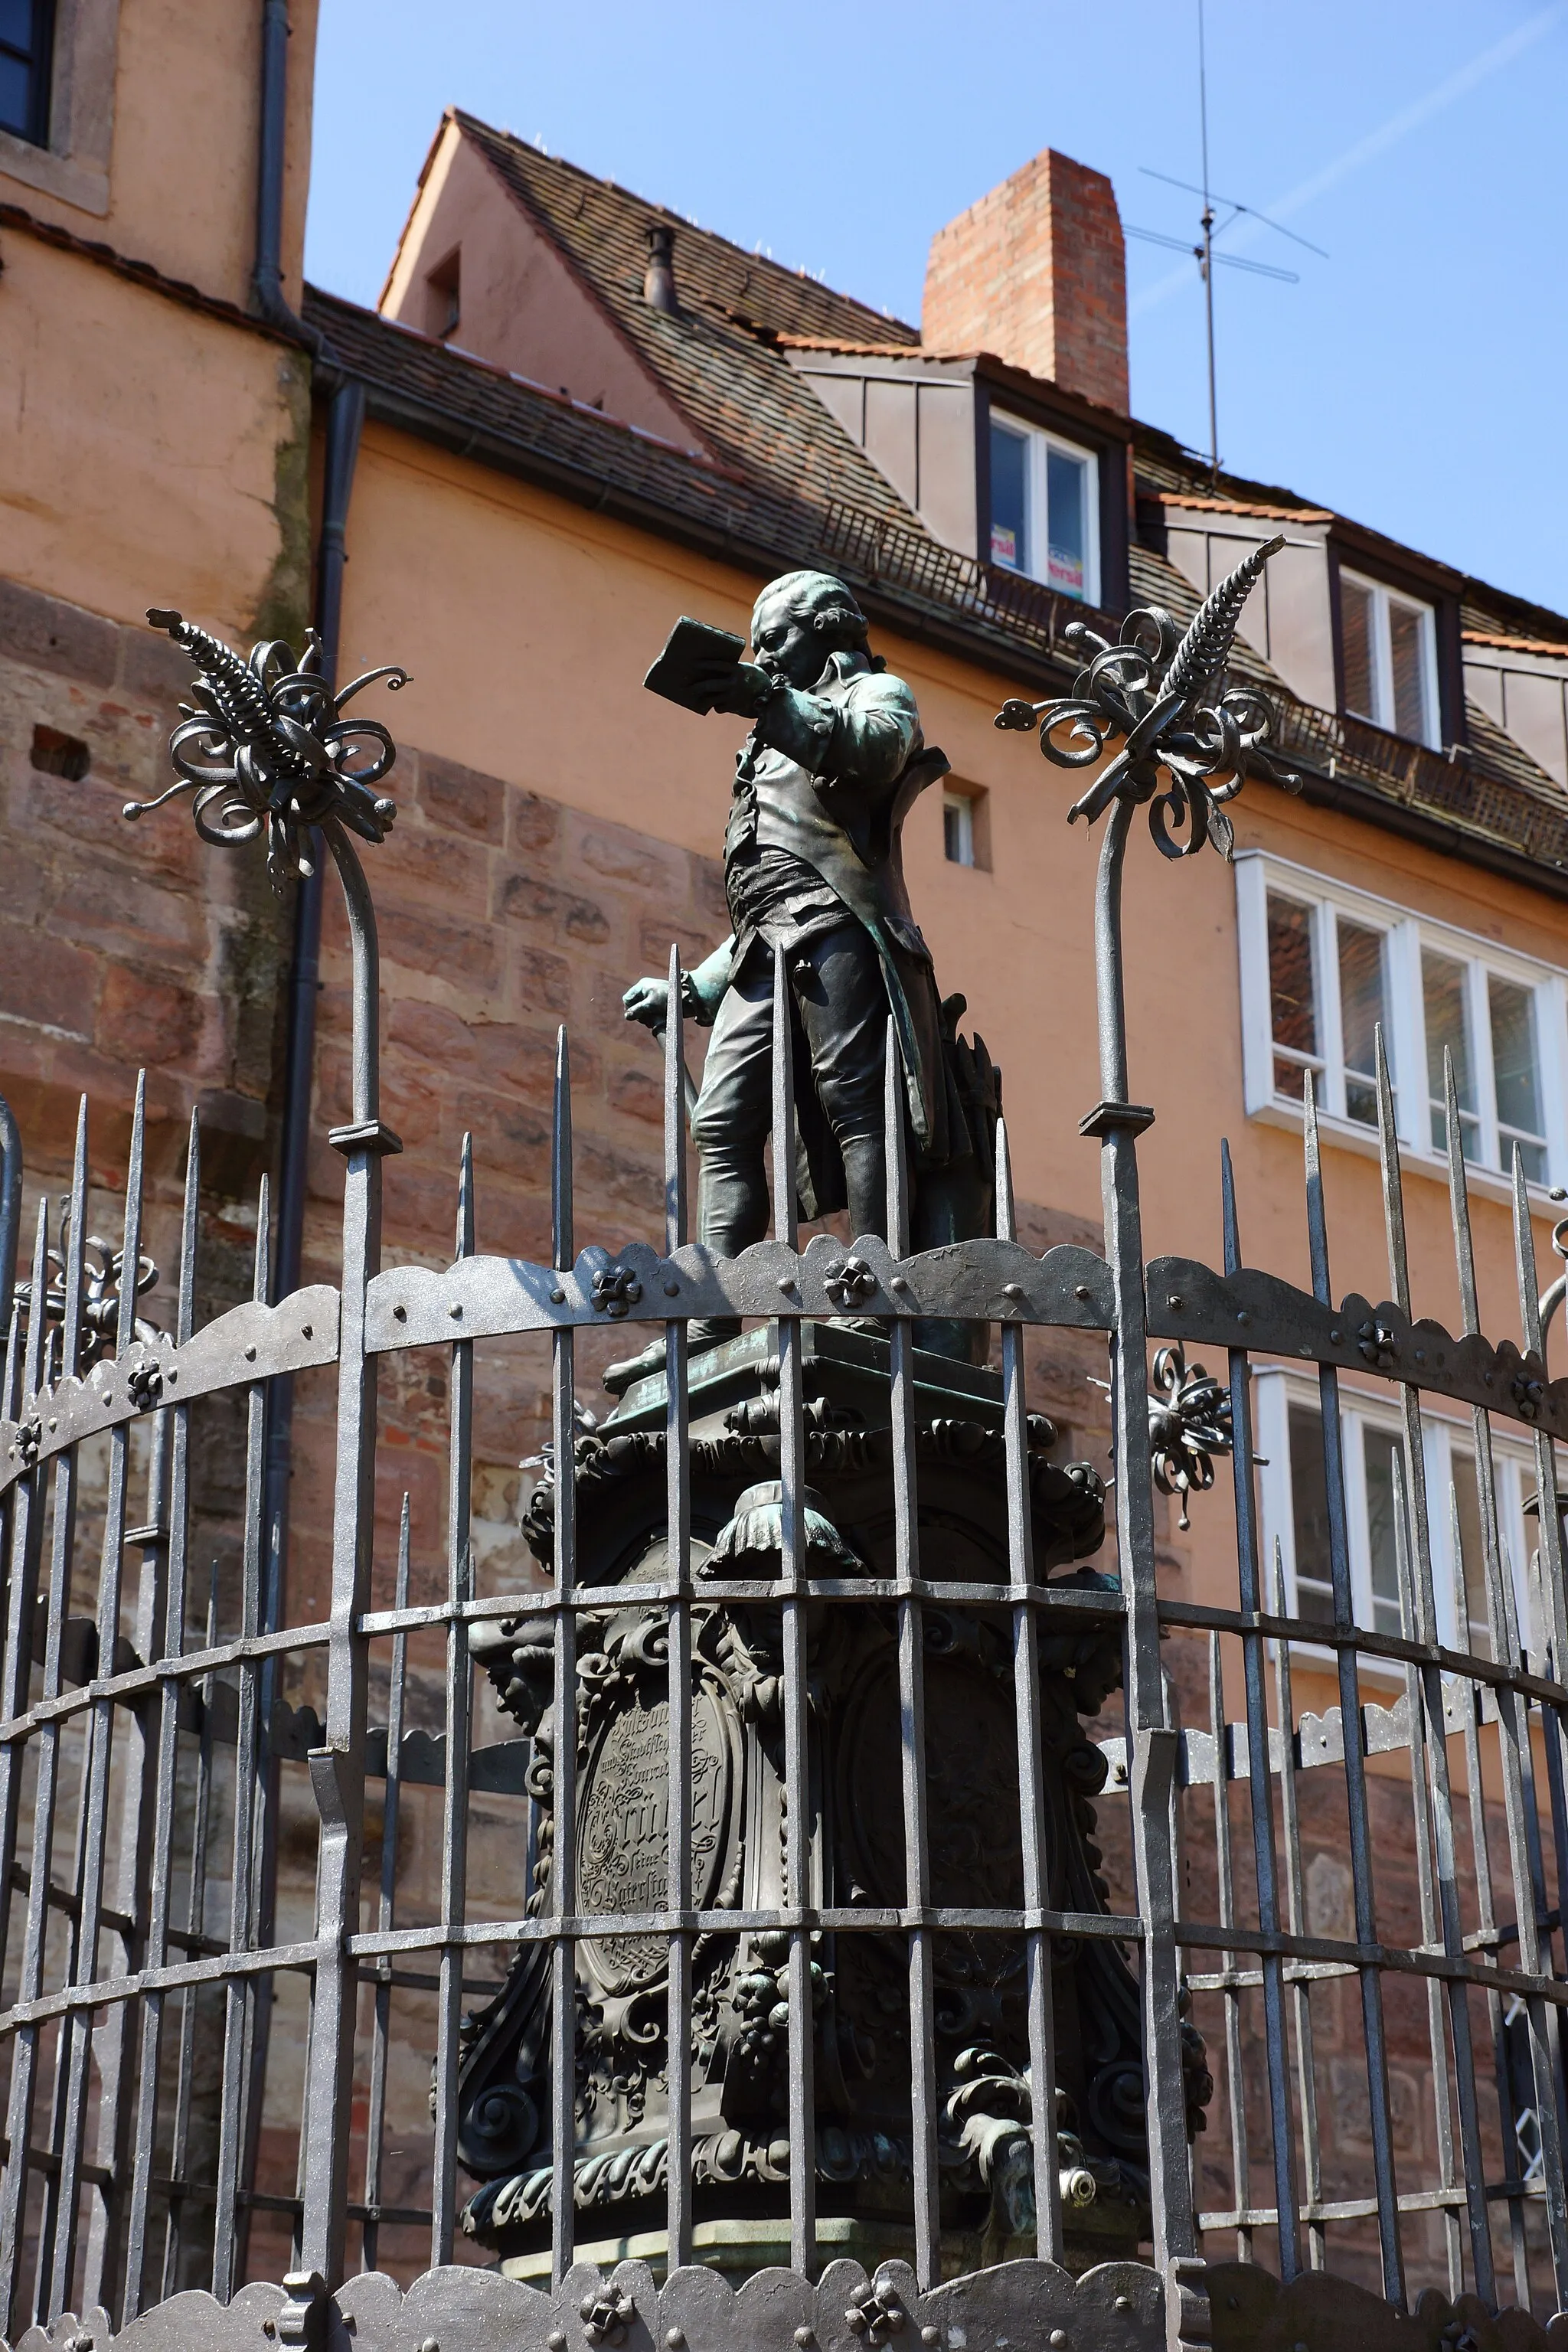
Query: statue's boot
[[734, 1214], [704, 1333]]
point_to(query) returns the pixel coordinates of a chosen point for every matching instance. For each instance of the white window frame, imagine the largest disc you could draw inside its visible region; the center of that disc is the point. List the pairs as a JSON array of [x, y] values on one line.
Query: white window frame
[[1276, 1388], [1259, 873], [1383, 657], [1039, 440], [961, 806]]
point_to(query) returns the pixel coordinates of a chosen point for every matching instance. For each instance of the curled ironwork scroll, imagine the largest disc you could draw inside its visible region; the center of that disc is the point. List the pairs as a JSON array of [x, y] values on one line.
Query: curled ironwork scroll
[[265, 747], [1158, 690]]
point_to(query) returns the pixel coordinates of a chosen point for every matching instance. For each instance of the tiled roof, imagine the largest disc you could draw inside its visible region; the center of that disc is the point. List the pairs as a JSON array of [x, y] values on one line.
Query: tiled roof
[[776, 481], [1242, 507], [1515, 645], [480, 400], [485, 412], [715, 356], [1494, 752]]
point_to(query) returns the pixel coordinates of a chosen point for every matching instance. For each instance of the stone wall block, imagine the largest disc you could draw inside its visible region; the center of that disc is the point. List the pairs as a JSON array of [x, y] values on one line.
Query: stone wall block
[[424, 1032], [57, 636], [622, 855], [533, 823], [461, 800], [544, 907], [420, 861], [449, 947]]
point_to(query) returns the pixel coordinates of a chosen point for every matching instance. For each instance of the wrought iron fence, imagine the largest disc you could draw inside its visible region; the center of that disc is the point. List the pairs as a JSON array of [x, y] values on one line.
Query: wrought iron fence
[[151, 1996]]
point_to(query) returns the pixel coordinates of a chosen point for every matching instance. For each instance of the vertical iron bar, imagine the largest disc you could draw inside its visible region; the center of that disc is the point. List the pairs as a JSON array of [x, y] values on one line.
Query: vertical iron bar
[[678, 1556], [337, 1767], [797, 1838], [454, 1808], [564, 1859], [1152, 1737], [1486, 1916], [24, 2064], [241, 1917], [1553, 1602], [195, 1923], [27, 1536], [1431, 1790], [165, 1750], [1514, 1727], [1039, 1991], [375, 2121], [27, 1533], [1355, 1761], [1230, 1995], [1260, 1780], [1426, 1898], [133, 1896], [78, 2037], [1301, 1990], [911, 1697]]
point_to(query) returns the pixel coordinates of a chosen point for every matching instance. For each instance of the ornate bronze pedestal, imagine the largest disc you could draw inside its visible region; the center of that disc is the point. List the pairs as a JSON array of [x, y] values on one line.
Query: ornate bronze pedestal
[[739, 2009]]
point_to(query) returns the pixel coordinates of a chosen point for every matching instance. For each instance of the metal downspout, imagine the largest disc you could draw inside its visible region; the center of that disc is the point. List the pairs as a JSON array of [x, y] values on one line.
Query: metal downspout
[[267, 275]]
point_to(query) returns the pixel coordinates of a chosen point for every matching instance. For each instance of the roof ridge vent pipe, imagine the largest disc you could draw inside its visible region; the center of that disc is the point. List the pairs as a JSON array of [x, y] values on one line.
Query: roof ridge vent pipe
[[659, 279]]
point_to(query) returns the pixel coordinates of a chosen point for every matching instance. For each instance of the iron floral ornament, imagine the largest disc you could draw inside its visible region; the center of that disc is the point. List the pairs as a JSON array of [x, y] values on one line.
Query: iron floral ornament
[[265, 747], [1153, 690]]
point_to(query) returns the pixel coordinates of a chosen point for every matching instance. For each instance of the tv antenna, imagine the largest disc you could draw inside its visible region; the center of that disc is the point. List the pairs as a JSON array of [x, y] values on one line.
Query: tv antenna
[[1211, 228]]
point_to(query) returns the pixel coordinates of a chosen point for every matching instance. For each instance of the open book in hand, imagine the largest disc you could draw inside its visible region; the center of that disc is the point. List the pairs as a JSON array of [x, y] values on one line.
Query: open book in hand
[[696, 666]]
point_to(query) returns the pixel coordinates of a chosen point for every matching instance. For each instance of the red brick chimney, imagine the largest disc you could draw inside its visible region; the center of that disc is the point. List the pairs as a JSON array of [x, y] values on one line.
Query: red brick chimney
[[1036, 272]]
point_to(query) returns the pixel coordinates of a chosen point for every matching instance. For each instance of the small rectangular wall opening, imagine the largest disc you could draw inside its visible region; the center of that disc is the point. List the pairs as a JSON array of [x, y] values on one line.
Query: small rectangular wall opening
[[966, 824], [443, 296]]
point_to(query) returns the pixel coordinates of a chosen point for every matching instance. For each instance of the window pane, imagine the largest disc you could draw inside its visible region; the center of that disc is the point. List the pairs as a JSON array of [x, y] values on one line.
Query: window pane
[[1309, 1517], [1009, 499], [1356, 619], [16, 96], [1066, 522], [1443, 990], [1362, 1007], [1406, 645], [16, 23], [1379, 1447], [958, 829], [1513, 1063], [1292, 996], [1470, 1580]]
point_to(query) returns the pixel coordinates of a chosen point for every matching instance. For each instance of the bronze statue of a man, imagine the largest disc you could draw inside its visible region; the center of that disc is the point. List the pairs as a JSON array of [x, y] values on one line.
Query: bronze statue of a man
[[813, 867]]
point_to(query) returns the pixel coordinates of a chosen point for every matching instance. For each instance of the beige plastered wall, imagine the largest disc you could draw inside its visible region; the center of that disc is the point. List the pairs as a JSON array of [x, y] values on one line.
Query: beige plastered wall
[[529, 623], [149, 453], [156, 143]]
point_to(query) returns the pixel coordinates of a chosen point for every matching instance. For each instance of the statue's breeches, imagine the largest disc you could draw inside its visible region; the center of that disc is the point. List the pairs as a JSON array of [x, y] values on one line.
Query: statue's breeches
[[840, 1004]]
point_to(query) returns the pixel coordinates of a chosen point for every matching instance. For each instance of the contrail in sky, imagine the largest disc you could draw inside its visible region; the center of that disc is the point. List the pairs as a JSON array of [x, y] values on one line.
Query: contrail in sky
[[1409, 118]]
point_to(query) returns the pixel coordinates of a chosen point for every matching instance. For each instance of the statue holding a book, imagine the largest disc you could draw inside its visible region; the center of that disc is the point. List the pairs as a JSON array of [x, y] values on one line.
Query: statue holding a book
[[814, 870]]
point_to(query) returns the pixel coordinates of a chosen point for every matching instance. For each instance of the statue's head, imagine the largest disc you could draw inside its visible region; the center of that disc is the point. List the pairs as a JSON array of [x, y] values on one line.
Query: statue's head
[[799, 619]]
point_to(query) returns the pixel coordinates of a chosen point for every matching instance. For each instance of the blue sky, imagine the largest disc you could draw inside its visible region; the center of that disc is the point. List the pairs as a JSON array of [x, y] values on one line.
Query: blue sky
[[1413, 380]]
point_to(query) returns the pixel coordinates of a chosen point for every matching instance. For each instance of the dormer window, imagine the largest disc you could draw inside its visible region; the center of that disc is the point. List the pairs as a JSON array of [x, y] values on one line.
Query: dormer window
[[1045, 507], [1390, 649]]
